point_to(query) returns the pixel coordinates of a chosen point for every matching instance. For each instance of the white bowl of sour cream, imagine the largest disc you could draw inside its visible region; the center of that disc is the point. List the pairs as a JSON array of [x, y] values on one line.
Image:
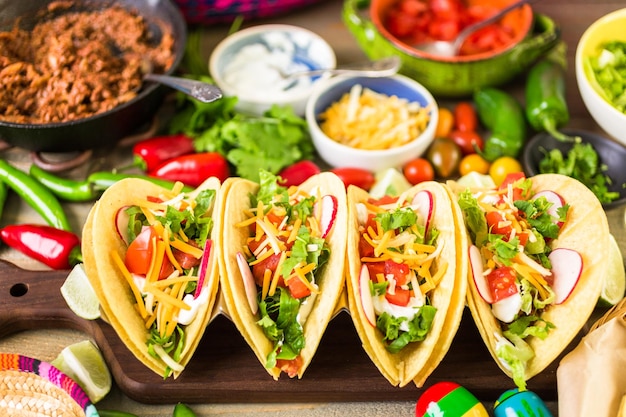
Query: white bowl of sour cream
[[248, 64]]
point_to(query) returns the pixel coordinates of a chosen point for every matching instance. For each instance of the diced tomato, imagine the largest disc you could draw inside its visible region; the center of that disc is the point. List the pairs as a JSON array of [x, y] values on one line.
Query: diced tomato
[[154, 199], [297, 288], [290, 367], [412, 7], [400, 297], [365, 248], [258, 270], [399, 271], [523, 237], [502, 283], [497, 224], [446, 9], [139, 255], [444, 29], [513, 179], [185, 260], [387, 199], [375, 268]]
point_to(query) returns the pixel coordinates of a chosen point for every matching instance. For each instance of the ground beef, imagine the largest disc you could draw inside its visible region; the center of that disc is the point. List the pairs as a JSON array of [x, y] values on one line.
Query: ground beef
[[76, 64]]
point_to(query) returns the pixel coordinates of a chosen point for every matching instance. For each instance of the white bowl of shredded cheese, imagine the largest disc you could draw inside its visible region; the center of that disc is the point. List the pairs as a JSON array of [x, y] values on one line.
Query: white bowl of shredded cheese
[[248, 64], [371, 123]]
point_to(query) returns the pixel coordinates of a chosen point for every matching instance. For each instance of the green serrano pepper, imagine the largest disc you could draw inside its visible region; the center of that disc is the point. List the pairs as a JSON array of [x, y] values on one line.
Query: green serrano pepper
[[35, 194], [546, 108], [503, 116], [90, 188], [113, 413], [183, 410]]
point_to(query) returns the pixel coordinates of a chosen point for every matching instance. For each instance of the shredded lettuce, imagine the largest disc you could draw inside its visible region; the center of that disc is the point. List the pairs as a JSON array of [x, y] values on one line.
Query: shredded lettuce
[[419, 327]]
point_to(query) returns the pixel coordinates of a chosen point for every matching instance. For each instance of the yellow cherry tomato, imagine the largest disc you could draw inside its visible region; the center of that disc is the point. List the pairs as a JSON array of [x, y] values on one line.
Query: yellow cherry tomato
[[503, 166], [473, 163], [444, 123]]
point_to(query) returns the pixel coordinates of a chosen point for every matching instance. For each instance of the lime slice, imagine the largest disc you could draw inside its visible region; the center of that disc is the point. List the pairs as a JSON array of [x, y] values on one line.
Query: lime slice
[[79, 294], [83, 362], [476, 180], [615, 279], [389, 182]]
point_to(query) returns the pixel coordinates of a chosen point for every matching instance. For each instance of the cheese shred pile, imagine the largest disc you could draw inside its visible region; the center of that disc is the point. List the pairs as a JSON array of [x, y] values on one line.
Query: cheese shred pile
[[365, 119]]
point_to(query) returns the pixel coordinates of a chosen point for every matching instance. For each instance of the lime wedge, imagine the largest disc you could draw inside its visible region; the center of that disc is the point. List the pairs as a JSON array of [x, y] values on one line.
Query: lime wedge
[[80, 295], [615, 279], [83, 362], [476, 180], [389, 182]]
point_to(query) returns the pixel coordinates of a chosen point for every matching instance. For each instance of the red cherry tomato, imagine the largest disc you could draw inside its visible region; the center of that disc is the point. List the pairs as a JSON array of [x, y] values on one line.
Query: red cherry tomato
[[467, 140], [299, 172], [465, 117], [502, 283], [419, 170], [139, 255], [360, 177]]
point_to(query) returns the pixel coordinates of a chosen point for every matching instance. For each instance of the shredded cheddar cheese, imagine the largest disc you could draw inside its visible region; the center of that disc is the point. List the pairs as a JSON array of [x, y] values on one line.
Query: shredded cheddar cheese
[[365, 119]]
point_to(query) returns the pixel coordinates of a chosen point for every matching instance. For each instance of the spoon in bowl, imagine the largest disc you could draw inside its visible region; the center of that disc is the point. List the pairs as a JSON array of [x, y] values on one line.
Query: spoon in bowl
[[451, 48], [200, 90], [380, 68]]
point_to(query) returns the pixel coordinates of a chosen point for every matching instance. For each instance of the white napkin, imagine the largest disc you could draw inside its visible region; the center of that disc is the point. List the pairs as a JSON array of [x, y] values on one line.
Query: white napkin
[[591, 379]]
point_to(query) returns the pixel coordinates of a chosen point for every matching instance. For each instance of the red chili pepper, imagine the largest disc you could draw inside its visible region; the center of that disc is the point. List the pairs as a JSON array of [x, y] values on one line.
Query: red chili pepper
[[193, 169], [56, 248], [150, 153]]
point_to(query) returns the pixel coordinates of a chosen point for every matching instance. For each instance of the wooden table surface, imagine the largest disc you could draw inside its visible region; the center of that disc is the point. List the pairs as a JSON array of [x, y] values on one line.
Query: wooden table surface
[[324, 18]]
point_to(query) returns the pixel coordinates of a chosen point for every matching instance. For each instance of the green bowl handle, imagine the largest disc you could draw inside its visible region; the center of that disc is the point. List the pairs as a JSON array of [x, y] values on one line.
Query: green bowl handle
[[354, 16], [532, 48]]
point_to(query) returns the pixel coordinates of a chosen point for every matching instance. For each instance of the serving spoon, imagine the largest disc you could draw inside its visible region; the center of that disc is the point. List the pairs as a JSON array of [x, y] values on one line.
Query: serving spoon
[[451, 48], [200, 90], [379, 68]]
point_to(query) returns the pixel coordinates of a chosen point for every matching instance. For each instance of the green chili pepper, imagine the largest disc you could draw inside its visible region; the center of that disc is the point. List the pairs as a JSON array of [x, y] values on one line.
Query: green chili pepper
[[182, 410], [503, 116], [35, 194], [90, 188], [546, 108], [4, 192]]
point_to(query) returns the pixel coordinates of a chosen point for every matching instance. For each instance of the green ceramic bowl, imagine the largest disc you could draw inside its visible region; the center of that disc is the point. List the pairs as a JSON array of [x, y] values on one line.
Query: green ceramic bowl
[[447, 77]]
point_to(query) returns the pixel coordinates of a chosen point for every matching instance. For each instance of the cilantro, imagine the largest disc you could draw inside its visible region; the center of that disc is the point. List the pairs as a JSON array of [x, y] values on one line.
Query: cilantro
[[271, 142], [399, 219], [581, 162]]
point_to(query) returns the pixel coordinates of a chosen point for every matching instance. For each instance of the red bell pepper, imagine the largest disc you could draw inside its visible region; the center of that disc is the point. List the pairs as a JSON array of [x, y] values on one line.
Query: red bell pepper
[[56, 248], [148, 154], [193, 169]]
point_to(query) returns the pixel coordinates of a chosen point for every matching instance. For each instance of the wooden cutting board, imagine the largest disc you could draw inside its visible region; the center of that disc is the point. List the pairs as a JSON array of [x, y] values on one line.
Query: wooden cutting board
[[225, 370]]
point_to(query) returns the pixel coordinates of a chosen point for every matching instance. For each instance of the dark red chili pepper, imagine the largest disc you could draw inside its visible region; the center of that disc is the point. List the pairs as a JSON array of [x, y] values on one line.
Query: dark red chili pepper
[[296, 174], [56, 248], [193, 169], [150, 153]]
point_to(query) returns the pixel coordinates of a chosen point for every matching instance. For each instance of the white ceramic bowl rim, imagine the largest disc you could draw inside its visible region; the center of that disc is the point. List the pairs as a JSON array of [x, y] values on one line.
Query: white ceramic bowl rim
[[324, 55], [402, 86]]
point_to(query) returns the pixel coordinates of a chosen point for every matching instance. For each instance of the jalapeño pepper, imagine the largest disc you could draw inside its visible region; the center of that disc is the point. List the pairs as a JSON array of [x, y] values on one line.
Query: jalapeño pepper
[[90, 188], [40, 198], [503, 116], [546, 107]]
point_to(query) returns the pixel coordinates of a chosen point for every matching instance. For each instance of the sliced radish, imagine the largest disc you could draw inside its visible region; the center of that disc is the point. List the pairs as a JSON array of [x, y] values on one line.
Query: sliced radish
[[476, 263], [366, 296], [567, 266], [557, 202], [204, 264], [326, 213], [121, 224], [425, 207], [506, 309], [248, 282]]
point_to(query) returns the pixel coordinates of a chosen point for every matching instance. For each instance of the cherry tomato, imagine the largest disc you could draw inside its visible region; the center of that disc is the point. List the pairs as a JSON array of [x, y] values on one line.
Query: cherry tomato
[[465, 117], [502, 283], [419, 170], [139, 255], [299, 172], [362, 178], [502, 167], [468, 140], [473, 163], [445, 156], [444, 123]]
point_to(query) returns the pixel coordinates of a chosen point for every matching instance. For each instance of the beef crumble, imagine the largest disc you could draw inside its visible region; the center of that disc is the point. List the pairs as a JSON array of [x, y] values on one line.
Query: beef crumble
[[77, 64]]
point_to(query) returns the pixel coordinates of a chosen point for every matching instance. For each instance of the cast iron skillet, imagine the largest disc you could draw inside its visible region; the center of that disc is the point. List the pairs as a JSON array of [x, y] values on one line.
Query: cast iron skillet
[[106, 129]]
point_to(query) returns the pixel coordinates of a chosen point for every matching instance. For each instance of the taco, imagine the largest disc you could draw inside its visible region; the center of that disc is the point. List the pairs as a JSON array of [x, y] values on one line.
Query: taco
[[406, 278], [537, 258], [282, 260], [148, 254]]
